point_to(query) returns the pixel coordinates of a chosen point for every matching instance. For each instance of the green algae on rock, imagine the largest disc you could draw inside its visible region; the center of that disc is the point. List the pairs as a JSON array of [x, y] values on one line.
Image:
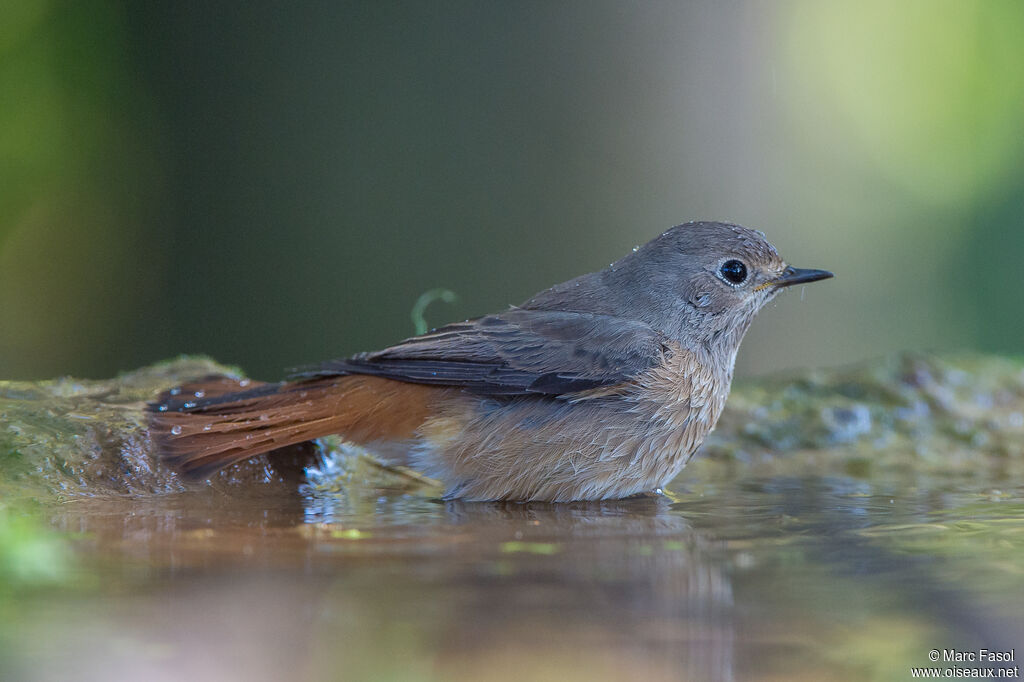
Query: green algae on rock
[[70, 437], [914, 413]]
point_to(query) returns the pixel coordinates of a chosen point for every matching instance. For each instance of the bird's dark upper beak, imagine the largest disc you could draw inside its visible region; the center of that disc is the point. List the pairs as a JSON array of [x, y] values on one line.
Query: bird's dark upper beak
[[791, 276]]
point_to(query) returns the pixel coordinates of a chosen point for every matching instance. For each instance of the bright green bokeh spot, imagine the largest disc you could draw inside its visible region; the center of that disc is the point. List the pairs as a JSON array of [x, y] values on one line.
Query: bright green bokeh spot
[[530, 547], [351, 534], [30, 554], [929, 93]]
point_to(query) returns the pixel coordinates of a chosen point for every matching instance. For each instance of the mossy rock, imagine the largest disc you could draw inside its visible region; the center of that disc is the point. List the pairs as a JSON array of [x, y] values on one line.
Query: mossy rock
[[69, 437], [912, 413]]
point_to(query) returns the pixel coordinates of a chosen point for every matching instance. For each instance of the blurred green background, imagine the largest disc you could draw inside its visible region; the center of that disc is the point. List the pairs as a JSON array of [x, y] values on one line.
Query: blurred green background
[[276, 183]]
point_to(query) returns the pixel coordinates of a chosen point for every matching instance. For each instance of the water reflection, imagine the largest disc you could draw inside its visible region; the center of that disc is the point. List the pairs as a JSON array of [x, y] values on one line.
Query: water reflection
[[629, 581], [609, 589], [827, 577]]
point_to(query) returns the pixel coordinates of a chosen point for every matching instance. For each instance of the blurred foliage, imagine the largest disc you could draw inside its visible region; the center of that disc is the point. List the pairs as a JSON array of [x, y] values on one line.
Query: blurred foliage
[[276, 186], [72, 187], [931, 94]]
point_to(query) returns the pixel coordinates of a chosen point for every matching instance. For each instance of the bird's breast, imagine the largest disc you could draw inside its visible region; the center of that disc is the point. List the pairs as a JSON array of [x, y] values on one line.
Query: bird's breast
[[685, 397]]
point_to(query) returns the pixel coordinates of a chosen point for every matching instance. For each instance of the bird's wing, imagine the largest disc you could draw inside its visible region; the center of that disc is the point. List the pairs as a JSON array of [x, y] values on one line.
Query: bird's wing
[[515, 353]]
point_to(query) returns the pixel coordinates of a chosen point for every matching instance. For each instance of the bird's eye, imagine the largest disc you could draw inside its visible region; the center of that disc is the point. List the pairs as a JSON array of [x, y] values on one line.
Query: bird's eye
[[734, 271]]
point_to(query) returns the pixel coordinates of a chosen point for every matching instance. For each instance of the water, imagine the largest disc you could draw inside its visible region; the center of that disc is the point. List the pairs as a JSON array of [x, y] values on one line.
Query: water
[[737, 578]]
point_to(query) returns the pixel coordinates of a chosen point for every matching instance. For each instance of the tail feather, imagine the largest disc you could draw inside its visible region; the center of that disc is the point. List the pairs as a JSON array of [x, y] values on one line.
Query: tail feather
[[207, 425]]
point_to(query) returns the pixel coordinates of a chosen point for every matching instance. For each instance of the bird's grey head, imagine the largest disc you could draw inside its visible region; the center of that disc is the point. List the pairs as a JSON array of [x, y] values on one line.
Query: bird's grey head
[[701, 283]]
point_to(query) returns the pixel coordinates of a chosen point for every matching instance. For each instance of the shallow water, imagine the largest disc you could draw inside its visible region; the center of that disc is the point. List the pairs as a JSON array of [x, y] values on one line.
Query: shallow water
[[753, 578]]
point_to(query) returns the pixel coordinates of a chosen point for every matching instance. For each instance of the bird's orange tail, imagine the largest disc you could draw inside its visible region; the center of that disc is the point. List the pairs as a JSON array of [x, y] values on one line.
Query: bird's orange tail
[[207, 425]]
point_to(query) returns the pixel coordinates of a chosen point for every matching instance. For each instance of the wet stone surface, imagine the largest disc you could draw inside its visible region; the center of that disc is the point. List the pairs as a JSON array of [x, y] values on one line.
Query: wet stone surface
[[68, 438]]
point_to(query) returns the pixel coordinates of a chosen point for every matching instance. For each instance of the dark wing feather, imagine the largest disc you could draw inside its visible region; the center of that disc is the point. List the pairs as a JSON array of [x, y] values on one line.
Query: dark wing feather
[[516, 352]]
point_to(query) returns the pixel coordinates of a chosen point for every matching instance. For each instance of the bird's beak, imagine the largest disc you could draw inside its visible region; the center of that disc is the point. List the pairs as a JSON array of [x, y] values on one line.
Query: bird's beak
[[791, 276]]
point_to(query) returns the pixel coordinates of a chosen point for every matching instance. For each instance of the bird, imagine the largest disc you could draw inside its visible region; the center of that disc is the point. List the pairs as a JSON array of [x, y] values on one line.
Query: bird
[[598, 388]]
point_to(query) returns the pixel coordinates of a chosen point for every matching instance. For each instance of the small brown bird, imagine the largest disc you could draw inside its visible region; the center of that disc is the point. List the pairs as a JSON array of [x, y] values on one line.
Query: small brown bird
[[599, 388]]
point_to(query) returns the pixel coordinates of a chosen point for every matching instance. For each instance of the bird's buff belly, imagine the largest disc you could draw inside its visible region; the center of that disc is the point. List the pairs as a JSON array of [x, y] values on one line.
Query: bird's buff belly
[[555, 450]]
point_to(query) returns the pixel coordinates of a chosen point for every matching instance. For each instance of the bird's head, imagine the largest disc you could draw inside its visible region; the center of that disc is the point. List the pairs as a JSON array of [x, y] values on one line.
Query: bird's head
[[704, 282]]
